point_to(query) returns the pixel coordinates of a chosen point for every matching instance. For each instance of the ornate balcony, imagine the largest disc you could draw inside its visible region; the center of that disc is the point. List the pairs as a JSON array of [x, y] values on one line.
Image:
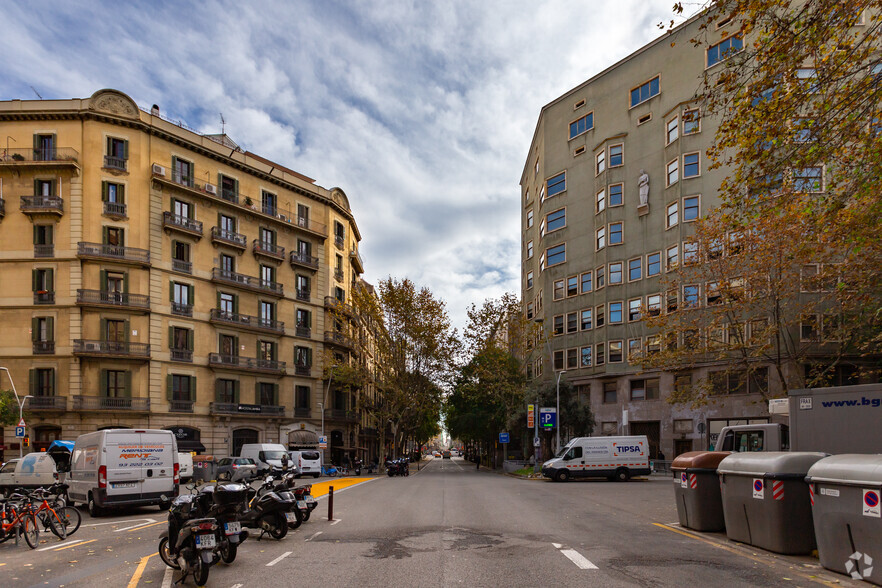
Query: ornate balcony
[[356, 260], [332, 303], [248, 364], [311, 226], [44, 297], [103, 298], [258, 410], [115, 210], [338, 242], [113, 252], [305, 332], [60, 156], [338, 275], [115, 163], [303, 260], [181, 355], [221, 236], [117, 349], [46, 403], [38, 205], [223, 276], [182, 309], [44, 347], [180, 406], [108, 403], [44, 250], [182, 224], [303, 294], [185, 267], [302, 370], [245, 321], [229, 195], [341, 414], [269, 250], [339, 339], [304, 413]]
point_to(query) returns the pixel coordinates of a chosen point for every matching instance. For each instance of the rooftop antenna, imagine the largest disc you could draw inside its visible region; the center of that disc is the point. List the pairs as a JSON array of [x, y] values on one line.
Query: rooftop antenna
[[37, 93], [223, 123]]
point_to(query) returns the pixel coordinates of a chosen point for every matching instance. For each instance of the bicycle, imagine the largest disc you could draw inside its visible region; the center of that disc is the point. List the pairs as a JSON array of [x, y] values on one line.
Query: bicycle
[[62, 520], [17, 521]]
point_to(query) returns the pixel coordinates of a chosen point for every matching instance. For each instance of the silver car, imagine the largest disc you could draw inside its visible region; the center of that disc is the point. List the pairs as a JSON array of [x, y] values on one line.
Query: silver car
[[231, 469]]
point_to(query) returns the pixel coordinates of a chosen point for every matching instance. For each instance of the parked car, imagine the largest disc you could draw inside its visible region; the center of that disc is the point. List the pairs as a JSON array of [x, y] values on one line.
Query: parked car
[[236, 468], [446, 455]]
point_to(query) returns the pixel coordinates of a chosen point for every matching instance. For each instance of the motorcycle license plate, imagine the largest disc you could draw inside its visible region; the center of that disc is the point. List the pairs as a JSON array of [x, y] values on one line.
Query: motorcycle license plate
[[206, 541], [301, 504], [291, 517], [310, 499], [232, 528]]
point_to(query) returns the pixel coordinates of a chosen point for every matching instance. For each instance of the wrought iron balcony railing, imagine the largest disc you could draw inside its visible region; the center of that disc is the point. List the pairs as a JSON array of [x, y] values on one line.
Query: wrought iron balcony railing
[[190, 226], [46, 403], [303, 412], [111, 403], [272, 250], [228, 277], [116, 299], [180, 406], [44, 250], [111, 348], [59, 154], [115, 252], [338, 339], [225, 237], [338, 275], [244, 320], [44, 347], [182, 309], [117, 163], [303, 294], [181, 355], [303, 331], [185, 267], [338, 241], [302, 370], [115, 209], [245, 363], [42, 204], [304, 260], [44, 297]]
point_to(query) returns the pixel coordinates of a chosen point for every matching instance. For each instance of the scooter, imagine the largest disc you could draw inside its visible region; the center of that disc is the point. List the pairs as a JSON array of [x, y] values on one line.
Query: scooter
[[190, 544], [357, 466], [268, 511], [227, 506]]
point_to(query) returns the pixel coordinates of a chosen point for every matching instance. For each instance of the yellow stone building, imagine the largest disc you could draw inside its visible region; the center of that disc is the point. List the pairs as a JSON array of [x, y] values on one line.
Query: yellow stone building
[[153, 276]]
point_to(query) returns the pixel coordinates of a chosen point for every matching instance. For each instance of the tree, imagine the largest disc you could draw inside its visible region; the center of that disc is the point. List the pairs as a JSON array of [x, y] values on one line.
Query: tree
[[575, 418], [8, 409]]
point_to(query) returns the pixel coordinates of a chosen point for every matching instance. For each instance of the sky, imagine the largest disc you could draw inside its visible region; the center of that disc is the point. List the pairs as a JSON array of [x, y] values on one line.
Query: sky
[[421, 111]]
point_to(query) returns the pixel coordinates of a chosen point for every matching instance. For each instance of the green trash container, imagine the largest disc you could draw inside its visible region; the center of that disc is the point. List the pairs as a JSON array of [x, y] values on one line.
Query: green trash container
[[845, 493], [766, 500], [697, 490]]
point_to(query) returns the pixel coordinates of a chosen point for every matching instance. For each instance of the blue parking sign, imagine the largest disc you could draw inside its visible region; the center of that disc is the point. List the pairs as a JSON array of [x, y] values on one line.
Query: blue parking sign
[[547, 417], [19, 431], [503, 437]]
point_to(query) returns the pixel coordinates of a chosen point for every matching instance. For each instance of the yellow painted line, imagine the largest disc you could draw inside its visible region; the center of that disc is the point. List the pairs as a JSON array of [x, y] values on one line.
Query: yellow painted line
[[145, 526], [321, 488], [75, 545], [136, 577], [2, 564], [768, 562]]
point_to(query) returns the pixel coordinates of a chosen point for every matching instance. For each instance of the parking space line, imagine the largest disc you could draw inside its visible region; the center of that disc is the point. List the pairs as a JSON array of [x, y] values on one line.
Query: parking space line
[[57, 545], [280, 558], [133, 583], [577, 558], [167, 578], [77, 545], [335, 521], [145, 520], [130, 529], [313, 536]]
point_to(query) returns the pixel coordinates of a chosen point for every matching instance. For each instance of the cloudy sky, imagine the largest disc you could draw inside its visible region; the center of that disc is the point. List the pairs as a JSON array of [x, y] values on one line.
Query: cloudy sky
[[421, 111]]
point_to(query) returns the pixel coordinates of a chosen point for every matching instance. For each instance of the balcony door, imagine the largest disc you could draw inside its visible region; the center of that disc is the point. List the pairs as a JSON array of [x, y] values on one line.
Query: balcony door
[[229, 348]]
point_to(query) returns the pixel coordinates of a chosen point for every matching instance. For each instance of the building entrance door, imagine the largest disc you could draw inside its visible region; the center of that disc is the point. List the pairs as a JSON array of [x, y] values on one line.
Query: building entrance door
[[682, 446], [652, 430]]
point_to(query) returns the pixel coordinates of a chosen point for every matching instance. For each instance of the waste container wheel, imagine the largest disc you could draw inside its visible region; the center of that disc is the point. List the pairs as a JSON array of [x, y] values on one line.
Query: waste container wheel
[[622, 475]]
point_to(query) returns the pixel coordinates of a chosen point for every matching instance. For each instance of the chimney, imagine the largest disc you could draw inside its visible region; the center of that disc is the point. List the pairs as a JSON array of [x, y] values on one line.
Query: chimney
[[155, 110]]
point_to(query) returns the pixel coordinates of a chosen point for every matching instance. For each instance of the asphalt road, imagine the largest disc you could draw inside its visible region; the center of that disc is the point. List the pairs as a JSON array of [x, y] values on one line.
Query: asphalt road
[[447, 525]]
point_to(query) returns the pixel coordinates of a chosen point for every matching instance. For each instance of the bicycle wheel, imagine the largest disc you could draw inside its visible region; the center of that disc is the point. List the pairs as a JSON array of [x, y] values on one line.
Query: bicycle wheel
[[30, 530], [71, 517], [52, 521]]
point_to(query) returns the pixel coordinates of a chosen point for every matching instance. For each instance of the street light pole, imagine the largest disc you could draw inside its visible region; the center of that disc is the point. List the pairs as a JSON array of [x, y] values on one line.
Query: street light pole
[[559, 374], [20, 401]]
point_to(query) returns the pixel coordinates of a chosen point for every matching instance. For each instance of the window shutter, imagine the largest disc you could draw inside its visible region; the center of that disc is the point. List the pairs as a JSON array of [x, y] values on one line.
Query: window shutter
[[103, 383], [104, 235], [126, 327], [50, 280], [191, 296], [125, 149], [36, 143], [236, 303], [52, 382], [171, 338], [256, 392], [192, 388], [104, 191], [218, 299], [190, 175], [236, 187], [36, 230], [32, 382], [103, 334], [218, 387], [171, 291], [126, 282], [35, 329], [275, 394], [236, 391], [103, 280], [50, 328], [121, 194], [169, 383], [128, 391], [34, 280], [190, 339], [236, 346], [109, 146], [174, 170]]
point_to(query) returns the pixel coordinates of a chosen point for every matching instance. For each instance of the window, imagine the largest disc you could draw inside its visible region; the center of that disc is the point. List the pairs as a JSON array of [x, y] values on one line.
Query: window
[[558, 328], [268, 202], [601, 277], [113, 192], [181, 251], [600, 315], [182, 172], [557, 291], [303, 318], [114, 383], [673, 130], [582, 125], [585, 356], [529, 310], [557, 184], [529, 219], [690, 296], [672, 214], [579, 104], [303, 286], [616, 155], [226, 302], [601, 201], [572, 322], [635, 348], [117, 153], [266, 350], [529, 280], [615, 351], [615, 312], [557, 255], [645, 389], [809, 328], [227, 263], [615, 273], [267, 276], [712, 293], [808, 78], [600, 348], [578, 150], [267, 313], [691, 166], [690, 208], [673, 172], [616, 233], [585, 280], [615, 195], [690, 252], [529, 249], [802, 130], [556, 220], [302, 356], [572, 285], [267, 238], [266, 393], [653, 304], [635, 269], [585, 319], [634, 309], [229, 188], [526, 195], [673, 300], [672, 258], [181, 387], [653, 264], [691, 121], [43, 234], [572, 358], [609, 392], [600, 238], [182, 209], [645, 91], [723, 50], [808, 179], [181, 297], [114, 236], [42, 382], [301, 397], [600, 163], [558, 360]]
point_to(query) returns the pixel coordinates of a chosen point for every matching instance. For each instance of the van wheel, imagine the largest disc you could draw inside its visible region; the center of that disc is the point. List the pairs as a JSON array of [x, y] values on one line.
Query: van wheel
[[164, 506], [94, 510], [623, 475], [316, 475], [562, 476]]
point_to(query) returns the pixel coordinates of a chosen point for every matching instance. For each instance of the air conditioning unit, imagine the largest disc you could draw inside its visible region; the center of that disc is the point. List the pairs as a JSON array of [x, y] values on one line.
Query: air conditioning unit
[[93, 346], [158, 170], [211, 189]]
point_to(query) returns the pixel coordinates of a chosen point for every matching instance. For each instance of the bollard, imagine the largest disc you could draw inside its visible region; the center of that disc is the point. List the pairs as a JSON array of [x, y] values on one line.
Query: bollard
[[330, 503]]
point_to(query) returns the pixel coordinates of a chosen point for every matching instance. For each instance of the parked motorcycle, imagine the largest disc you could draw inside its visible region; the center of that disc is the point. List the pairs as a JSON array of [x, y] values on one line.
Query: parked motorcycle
[[227, 505], [397, 467], [356, 465], [191, 543], [268, 511]]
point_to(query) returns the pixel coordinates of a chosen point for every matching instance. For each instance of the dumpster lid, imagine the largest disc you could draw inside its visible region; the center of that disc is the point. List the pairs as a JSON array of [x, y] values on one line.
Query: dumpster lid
[[699, 459], [850, 469], [760, 463]]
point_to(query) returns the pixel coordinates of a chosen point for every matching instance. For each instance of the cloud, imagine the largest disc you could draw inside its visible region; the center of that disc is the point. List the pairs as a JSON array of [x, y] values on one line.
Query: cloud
[[421, 111]]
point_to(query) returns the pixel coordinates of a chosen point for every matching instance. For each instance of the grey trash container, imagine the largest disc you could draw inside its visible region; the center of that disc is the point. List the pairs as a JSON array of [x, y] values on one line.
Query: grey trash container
[[204, 468], [697, 490], [766, 500], [846, 492]]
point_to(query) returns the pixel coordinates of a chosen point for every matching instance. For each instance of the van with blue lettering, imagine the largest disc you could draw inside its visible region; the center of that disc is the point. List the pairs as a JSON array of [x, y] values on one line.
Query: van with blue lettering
[[613, 458]]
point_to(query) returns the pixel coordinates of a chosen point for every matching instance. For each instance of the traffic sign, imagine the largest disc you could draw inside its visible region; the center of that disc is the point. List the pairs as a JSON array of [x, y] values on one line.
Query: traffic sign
[[531, 416], [323, 442], [547, 417], [19, 431], [536, 442], [21, 423], [503, 437]]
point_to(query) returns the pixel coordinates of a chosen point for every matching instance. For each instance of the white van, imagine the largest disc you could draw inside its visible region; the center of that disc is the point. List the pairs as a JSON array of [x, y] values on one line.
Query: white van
[[614, 458], [266, 455], [31, 471], [123, 467], [185, 465], [307, 461]]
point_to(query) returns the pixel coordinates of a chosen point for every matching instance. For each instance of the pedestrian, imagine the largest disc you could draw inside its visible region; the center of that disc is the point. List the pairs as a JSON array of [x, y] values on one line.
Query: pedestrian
[[661, 456]]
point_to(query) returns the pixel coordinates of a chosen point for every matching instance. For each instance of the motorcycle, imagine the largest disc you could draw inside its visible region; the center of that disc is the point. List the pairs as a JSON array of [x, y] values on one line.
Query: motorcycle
[[227, 506], [191, 543], [397, 467], [269, 512], [302, 495], [356, 465]]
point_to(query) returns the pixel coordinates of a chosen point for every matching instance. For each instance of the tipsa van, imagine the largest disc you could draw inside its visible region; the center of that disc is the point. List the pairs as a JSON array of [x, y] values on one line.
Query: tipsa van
[[614, 458], [123, 467]]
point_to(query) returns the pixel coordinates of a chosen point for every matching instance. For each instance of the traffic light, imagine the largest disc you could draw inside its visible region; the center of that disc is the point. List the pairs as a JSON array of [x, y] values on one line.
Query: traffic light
[[27, 441]]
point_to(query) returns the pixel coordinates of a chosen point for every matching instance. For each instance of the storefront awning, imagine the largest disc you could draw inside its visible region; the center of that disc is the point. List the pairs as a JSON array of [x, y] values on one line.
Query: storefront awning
[[303, 438], [186, 446]]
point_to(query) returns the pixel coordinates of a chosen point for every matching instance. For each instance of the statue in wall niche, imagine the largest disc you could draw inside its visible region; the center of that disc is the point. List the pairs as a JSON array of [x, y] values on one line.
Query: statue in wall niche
[[643, 187]]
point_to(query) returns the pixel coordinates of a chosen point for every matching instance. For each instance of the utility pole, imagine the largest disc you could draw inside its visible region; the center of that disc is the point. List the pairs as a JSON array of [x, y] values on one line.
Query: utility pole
[[557, 410]]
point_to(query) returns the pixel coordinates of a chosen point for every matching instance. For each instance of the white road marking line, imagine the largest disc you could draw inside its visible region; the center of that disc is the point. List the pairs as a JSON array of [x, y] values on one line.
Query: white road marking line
[[167, 578], [314, 535], [335, 521], [280, 558], [57, 545], [577, 558], [121, 523], [557, 545], [237, 586]]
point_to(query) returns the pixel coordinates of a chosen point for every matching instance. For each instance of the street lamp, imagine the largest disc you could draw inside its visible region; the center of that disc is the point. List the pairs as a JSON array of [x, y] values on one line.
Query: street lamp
[[18, 400], [559, 374]]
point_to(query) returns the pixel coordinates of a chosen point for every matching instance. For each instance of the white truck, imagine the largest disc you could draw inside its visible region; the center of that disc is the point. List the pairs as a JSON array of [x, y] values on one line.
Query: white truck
[[613, 458], [124, 467], [31, 471], [267, 456]]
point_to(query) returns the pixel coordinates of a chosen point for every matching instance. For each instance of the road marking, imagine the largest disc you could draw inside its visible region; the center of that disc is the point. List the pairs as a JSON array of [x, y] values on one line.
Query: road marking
[[280, 558], [557, 545], [335, 521], [577, 558], [57, 545], [141, 524], [130, 529], [76, 545], [313, 536], [121, 522], [167, 578], [237, 586], [320, 489], [133, 583]]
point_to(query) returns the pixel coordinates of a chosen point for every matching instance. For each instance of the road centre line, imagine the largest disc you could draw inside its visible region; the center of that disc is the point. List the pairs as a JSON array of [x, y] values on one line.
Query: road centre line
[[577, 558], [76, 545], [280, 558], [133, 583], [130, 529], [57, 545]]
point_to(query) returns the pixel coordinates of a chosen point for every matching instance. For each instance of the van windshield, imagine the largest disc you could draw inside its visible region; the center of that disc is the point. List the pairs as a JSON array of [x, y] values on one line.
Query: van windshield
[[562, 451], [272, 455]]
